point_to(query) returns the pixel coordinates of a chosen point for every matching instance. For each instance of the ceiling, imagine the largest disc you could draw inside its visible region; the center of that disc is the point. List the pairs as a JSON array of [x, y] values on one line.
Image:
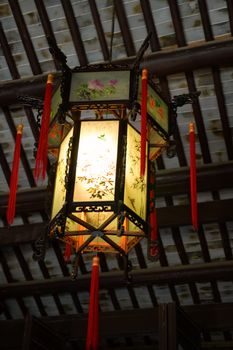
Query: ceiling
[[191, 49]]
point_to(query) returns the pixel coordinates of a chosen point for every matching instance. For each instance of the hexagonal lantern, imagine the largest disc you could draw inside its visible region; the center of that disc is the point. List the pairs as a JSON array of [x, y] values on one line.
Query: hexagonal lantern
[[100, 200]]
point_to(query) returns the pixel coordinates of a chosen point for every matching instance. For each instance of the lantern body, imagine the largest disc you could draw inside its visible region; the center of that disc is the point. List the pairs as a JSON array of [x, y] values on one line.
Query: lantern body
[[100, 200], [158, 120]]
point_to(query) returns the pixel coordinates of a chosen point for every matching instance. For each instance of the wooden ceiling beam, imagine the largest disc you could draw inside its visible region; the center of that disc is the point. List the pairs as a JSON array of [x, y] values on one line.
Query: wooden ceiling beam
[[162, 63], [15, 235], [122, 323], [173, 61], [179, 215], [173, 216], [211, 177], [37, 196], [181, 274]]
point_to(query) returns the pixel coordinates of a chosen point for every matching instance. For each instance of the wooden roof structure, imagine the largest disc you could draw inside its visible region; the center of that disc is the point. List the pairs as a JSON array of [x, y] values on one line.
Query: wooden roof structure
[[185, 297]]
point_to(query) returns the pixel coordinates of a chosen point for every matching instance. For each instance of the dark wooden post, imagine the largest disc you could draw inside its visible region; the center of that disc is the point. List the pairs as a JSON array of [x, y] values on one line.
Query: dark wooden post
[[163, 326], [172, 326], [188, 332], [167, 327], [38, 333], [27, 332]]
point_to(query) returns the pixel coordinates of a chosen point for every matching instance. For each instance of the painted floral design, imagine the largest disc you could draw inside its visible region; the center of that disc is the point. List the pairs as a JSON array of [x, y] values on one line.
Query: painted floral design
[[99, 187], [55, 135], [96, 89], [96, 166]]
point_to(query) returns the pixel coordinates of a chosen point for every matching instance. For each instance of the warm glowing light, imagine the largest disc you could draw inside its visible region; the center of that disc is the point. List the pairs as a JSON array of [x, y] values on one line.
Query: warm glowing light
[[96, 161]]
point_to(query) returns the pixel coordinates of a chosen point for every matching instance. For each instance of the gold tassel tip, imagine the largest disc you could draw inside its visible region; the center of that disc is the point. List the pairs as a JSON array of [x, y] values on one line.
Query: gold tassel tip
[[95, 261], [50, 79], [191, 127], [144, 74], [20, 129]]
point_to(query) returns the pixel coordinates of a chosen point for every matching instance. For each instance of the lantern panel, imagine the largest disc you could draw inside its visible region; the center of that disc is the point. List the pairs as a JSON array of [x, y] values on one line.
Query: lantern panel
[[100, 86], [55, 103], [60, 188], [96, 161], [157, 143], [157, 109], [135, 191]]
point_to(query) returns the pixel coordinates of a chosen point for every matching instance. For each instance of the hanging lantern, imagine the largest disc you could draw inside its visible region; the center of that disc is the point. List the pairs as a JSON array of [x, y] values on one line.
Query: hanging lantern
[[101, 201], [104, 188], [100, 197]]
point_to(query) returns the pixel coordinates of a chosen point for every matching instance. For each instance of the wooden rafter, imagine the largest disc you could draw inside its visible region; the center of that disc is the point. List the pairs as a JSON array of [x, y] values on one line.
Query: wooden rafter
[[99, 29], [221, 270], [23, 155], [23, 31], [129, 323], [173, 216], [124, 26], [150, 25], [8, 55], [168, 183], [75, 32], [46, 23], [162, 63]]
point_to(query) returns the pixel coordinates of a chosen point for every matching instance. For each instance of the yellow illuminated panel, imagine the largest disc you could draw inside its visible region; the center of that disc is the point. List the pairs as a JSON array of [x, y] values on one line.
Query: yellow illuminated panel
[[96, 161], [59, 188], [135, 185]]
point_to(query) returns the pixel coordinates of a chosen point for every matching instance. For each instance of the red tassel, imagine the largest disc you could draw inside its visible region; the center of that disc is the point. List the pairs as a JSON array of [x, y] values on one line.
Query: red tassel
[[14, 176], [143, 121], [68, 251], [193, 177], [92, 342], [154, 250], [42, 152], [153, 218]]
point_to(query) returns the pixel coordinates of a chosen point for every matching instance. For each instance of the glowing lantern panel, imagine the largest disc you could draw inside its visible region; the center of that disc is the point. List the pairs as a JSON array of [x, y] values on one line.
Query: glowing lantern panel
[[99, 197]]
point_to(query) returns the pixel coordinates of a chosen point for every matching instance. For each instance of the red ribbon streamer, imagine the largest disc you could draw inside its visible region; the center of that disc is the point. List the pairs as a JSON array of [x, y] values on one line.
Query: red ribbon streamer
[[92, 342], [42, 152], [68, 252], [14, 176], [153, 225], [153, 218], [143, 122], [193, 177]]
